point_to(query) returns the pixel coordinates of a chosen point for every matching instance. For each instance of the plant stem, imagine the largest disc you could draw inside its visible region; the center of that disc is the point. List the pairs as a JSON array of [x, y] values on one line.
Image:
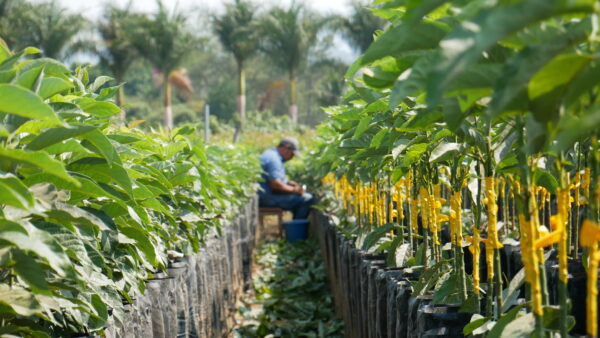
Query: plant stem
[[564, 308]]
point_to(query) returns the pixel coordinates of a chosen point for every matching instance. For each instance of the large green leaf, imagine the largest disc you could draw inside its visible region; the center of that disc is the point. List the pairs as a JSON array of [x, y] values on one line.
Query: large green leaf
[[30, 272], [51, 67], [405, 38], [546, 89], [378, 233], [38, 242], [55, 135], [19, 300], [143, 242], [30, 78], [412, 80], [98, 169], [465, 45], [444, 151], [577, 128], [22, 102], [14, 193], [506, 319], [38, 159], [51, 86], [102, 146], [99, 108], [525, 64]]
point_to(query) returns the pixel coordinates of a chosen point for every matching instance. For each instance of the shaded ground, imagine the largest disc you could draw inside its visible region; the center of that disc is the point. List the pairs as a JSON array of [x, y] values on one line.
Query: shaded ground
[[290, 296]]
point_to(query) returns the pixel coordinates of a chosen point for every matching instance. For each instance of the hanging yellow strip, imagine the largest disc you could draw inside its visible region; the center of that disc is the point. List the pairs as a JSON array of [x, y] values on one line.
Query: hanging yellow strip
[[589, 237]]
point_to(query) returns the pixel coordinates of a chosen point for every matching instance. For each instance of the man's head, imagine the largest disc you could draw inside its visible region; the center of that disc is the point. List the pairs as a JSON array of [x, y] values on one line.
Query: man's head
[[288, 148]]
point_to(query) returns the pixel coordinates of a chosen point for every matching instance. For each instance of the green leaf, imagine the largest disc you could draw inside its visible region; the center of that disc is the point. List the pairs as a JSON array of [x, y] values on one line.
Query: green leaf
[[99, 82], [98, 169], [521, 67], [99, 108], [376, 141], [68, 146], [511, 293], [548, 86], [522, 327], [557, 72], [545, 179], [413, 80], [465, 45], [470, 305], [552, 318], [376, 234], [414, 153], [474, 325], [14, 193], [506, 319], [30, 272], [19, 300], [37, 159], [108, 93], [423, 120], [143, 243], [38, 242], [362, 126], [56, 135], [405, 38], [4, 51], [51, 67], [99, 306], [443, 151], [52, 85], [577, 128], [29, 78], [354, 67], [22, 102], [448, 287], [102, 146]]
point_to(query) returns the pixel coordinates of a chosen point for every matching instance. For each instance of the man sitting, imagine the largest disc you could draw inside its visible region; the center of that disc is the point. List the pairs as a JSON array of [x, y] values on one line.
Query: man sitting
[[277, 191]]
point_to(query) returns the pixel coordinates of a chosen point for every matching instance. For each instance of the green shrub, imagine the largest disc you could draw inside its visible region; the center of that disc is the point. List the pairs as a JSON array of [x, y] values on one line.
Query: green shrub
[[88, 210]]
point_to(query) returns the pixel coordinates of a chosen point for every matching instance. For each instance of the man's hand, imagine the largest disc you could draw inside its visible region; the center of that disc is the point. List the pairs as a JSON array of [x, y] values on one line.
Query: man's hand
[[298, 189], [286, 188]]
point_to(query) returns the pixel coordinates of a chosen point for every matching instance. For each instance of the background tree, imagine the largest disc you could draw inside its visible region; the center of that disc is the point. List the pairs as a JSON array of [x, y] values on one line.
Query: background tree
[[46, 25], [117, 53], [359, 27], [165, 42], [288, 35], [237, 31]]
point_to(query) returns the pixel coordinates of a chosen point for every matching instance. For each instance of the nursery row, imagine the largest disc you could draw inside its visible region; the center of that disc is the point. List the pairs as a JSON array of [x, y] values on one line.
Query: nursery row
[[89, 210], [472, 126]]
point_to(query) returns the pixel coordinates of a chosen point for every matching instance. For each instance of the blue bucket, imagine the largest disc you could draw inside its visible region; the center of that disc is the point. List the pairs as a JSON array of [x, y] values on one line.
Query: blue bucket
[[296, 230]]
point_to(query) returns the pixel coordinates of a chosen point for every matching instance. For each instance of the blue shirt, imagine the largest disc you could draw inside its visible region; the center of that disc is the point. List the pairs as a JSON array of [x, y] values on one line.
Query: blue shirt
[[272, 166]]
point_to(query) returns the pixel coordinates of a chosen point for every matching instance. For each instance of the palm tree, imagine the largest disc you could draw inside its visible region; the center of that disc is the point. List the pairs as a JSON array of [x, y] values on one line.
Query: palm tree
[[289, 35], [165, 42], [359, 28], [44, 25], [117, 53], [237, 32]]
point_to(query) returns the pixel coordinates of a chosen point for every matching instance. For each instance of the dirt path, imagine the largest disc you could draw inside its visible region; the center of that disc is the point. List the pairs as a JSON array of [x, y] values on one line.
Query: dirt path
[[290, 296]]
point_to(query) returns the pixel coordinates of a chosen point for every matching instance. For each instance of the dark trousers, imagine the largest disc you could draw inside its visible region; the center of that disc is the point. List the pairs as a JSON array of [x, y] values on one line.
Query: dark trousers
[[299, 205]]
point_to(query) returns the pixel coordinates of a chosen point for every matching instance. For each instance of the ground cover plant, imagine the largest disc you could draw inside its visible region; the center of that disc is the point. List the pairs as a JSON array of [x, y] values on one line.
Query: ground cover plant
[[472, 129], [291, 297], [89, 209]]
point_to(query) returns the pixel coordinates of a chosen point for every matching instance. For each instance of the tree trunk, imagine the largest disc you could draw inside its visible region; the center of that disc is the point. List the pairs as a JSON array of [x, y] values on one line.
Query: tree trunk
[[168, 109], [241, 102], [293, 110]]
